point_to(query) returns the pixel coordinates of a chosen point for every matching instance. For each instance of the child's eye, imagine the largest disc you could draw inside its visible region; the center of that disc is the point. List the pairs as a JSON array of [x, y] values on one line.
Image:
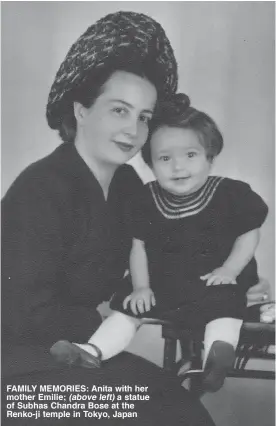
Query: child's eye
[[191, 154], [144, 118], [164, 158]]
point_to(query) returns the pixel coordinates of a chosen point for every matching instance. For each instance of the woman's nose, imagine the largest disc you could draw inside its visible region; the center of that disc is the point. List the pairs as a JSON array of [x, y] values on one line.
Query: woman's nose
[[131, 128]]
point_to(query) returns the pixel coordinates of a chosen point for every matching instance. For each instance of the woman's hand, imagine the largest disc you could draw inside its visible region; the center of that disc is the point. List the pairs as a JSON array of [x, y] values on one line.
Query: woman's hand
[[140, 300], [268, 313], [258, 293]]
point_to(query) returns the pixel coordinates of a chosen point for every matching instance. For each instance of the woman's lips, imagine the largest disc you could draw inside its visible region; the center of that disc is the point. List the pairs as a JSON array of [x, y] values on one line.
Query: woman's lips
[[126, 147]]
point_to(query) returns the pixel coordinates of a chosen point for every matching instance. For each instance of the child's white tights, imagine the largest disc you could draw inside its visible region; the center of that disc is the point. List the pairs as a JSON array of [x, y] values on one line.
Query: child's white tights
[[224, 329], [117, 331], [113, 336]]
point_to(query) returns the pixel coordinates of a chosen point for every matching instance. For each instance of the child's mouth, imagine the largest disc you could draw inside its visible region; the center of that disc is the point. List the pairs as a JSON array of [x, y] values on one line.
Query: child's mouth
[[181, 178]]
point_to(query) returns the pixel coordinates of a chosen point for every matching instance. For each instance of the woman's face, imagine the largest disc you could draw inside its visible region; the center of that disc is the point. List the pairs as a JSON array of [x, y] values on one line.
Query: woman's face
[[115, 127]]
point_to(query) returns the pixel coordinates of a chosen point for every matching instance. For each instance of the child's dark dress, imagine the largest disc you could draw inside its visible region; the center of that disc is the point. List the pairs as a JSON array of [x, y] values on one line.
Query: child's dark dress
[[187, 237]]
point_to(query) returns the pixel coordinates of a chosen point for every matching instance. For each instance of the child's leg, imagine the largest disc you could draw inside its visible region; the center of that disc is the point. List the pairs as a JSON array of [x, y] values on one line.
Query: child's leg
[[220, 342], [221, 329], [111, 338], [113, 335]]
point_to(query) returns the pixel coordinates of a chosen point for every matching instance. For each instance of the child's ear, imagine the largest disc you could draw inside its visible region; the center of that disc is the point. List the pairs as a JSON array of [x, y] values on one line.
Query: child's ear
[[211, 161]]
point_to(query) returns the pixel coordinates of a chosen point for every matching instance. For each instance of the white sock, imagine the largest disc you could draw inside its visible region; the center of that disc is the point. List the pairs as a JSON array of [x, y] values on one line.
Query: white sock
[[223, 329], [113, 335]]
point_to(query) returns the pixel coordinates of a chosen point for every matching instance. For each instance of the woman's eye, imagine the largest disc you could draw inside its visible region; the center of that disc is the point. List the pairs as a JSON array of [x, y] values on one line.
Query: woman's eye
[[191, 154], [119, 110], [145, 118], [164, 158]]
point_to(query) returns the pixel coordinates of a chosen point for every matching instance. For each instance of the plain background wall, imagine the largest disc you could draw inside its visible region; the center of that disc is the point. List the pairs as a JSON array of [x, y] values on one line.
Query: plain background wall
[[225, 52]]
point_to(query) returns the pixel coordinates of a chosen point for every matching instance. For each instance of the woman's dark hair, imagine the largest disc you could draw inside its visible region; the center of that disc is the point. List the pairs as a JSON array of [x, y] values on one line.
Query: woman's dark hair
[[178, 113], [90, 90]]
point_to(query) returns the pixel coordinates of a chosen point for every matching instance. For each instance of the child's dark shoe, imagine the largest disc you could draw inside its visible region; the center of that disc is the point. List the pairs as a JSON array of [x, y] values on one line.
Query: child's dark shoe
[[220, 361], [73, 355]]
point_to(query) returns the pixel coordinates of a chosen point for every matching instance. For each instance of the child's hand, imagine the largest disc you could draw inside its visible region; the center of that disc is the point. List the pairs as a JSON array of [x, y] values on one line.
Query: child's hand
[[268, 312], [219, 276], [140, 300]]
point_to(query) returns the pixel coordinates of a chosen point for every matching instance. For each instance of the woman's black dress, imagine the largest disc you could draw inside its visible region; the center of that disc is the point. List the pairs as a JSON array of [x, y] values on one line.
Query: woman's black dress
[[64, 251]]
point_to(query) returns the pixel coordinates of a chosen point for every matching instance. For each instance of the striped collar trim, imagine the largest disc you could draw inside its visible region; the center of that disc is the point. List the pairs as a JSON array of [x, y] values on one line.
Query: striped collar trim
[[177, 207]]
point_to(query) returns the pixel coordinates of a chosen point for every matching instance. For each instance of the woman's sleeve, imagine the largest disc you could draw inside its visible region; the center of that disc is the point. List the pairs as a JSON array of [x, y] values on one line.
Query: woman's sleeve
[[136, 217], [32, 248], [133, 193], [127, 181], [249, 209]]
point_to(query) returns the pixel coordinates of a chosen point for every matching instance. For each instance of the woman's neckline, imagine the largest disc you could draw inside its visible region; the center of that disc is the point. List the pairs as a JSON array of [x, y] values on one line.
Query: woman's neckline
[[104, 182]]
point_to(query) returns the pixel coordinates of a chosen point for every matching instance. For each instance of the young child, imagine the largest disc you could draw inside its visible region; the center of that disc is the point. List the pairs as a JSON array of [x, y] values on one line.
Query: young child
[[194, 239]]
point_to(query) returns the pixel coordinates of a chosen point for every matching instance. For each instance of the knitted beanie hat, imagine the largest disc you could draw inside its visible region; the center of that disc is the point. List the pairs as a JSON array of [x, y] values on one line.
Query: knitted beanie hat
[[118, 34]]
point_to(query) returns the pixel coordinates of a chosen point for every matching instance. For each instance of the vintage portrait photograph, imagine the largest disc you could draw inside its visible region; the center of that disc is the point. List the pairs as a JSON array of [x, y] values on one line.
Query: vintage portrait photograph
[[138, 213]]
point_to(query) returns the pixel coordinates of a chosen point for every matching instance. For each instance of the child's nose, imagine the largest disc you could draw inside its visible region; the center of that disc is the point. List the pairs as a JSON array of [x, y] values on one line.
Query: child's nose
[[178, 164]]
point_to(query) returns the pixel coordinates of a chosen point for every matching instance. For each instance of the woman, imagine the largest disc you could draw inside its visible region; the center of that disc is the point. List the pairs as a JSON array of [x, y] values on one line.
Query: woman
[[61, 217], [64, 245]]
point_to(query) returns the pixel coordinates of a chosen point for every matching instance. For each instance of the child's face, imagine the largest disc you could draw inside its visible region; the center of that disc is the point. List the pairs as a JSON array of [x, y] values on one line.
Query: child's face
[[179, 161]]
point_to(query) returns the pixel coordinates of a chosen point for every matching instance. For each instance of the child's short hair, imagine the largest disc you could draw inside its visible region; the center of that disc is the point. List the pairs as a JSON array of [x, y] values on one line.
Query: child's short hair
[[178, 113]]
